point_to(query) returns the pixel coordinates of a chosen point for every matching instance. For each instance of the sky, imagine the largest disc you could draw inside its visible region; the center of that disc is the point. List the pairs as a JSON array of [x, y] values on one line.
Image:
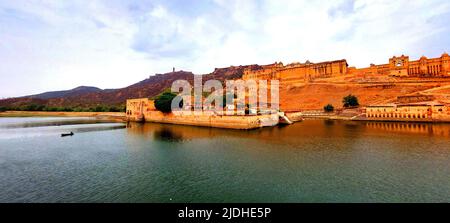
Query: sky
[[48, 45]]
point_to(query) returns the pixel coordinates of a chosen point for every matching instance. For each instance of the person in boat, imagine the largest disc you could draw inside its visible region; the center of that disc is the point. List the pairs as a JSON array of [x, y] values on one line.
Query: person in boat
[[67, 134]]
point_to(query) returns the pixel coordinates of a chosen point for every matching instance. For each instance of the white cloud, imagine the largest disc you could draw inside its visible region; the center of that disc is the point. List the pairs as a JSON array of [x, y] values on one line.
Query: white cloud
[[50, 45]]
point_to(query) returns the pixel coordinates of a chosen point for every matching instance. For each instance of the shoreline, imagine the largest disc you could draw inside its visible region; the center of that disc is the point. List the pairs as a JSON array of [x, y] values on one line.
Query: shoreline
[[121, 117], [359, 119], [113, 116]]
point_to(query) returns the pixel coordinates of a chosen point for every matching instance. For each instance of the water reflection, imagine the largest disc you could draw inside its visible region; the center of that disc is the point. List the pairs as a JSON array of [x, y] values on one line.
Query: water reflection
[[286, 134], [96, 128], [60, 122], [413, 128], [278, 134], [11, 128], [310, 161], [329, 122], [170, 133], [166, 134]]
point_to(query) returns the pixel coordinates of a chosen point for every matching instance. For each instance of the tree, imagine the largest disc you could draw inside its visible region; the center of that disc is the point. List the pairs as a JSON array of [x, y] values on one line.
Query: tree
[[163, 102], [350, 101], [99, 108], [328, 108], [34, 107]]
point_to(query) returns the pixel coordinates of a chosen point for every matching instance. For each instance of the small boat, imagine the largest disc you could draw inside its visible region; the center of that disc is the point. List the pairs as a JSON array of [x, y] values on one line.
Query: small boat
[[67, 134]]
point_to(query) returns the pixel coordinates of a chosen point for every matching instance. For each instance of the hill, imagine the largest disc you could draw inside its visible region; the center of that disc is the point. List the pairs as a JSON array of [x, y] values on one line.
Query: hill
[[89, 97], [67, 93]]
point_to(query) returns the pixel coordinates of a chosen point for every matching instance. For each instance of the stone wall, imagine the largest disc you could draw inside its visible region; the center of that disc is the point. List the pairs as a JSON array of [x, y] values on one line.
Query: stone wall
[[218, 121], [137, 107], [415, 98], [298, 71], [412, 112]]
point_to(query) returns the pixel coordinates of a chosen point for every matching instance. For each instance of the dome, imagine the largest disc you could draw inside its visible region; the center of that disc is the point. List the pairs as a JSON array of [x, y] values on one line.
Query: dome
[[445, 54]]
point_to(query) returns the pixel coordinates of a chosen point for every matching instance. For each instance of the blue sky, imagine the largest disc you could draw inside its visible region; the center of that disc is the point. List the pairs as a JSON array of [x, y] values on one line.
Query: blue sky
[[53, 45]]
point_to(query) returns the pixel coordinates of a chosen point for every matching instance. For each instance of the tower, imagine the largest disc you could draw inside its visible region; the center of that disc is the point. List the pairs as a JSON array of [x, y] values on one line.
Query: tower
[[445, 64]]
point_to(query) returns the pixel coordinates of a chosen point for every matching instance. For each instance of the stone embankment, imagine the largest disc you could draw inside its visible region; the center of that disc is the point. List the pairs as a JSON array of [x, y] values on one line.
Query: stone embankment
[[220, 121]]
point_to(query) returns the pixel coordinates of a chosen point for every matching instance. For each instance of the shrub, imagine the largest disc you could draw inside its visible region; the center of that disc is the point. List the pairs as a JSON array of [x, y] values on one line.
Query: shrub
[[328, 108], [99, 108], [51, 109], [350, 101], [34, 107], [78, 109]]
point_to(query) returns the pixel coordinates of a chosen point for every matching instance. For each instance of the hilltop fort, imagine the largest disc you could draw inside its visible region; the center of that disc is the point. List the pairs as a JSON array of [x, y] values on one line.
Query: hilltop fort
[[400, 90], [397, 67]]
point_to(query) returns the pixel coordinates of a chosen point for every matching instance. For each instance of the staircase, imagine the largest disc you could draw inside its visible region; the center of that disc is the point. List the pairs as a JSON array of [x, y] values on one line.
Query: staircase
[[284, 119]]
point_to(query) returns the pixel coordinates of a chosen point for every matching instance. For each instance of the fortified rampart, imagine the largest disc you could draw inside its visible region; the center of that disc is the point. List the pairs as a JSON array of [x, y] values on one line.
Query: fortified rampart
[[297, 71], [397, 67], [143, 109]]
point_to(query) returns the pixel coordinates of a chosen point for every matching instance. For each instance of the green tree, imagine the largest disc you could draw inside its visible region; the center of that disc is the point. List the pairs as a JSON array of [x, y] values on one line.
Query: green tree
[[2, 109], [79, 109], [350, 101], [328, 108], [34, 107], [99, 108], [163, 102]]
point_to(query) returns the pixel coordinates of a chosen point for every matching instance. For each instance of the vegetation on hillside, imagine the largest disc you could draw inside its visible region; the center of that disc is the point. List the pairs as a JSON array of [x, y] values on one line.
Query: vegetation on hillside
[[350, 101]]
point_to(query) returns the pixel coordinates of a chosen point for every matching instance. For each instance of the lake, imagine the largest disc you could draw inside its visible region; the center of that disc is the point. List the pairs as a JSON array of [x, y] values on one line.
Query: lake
[[309, 161]]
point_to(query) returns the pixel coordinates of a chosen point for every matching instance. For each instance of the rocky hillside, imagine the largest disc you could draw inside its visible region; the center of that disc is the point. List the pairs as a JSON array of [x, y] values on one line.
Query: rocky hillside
[[85, 97]]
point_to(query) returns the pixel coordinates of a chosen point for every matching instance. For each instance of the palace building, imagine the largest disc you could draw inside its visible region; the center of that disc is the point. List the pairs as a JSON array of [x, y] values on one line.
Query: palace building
[[397, 67], [410, 111], [297, 71], [402, 67]]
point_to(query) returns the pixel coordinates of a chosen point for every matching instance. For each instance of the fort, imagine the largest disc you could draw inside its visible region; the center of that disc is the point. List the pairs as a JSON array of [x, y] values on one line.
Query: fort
[[400, 90], [296, 71], [397, 67], [143, 110]]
